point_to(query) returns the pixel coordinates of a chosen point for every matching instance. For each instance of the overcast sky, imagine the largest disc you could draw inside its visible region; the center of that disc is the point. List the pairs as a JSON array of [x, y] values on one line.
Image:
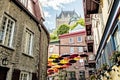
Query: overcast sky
[[51, 8]]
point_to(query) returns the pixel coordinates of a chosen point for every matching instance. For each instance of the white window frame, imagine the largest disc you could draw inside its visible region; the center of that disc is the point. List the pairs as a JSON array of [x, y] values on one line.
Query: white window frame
[[71, 49], [51, 49], [78, 39], [3, 33], [80, 49], [25, 73], [30, 51], [71, 40]]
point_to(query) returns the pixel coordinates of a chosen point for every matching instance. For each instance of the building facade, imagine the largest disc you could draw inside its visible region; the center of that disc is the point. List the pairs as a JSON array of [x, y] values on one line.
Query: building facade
[[75, 43], [23, 41], [67, 17], [105, 24], [54, 48]]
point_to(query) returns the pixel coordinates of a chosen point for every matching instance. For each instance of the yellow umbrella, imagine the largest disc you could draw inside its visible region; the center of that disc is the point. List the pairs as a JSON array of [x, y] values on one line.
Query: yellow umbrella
[[53, 56], [64, 61], [50, 60], [77, 58]]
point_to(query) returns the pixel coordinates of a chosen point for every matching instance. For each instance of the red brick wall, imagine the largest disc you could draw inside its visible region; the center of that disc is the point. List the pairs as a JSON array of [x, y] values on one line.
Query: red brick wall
[[65, 41]]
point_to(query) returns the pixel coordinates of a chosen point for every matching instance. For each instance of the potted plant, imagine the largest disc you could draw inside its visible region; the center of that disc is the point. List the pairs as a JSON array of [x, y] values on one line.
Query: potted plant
[[116, 57], [105, 66], [92, 77]]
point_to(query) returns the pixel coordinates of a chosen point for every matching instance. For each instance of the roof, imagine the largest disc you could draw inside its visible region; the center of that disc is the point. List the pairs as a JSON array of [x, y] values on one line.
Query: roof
[[66, 13], [72, 34], [78, 28]]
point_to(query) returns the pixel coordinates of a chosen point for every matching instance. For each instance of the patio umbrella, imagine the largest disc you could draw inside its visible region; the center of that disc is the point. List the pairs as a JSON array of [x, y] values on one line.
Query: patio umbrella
[[83, 55], [65, 55], [77, 58], [73, 55], [59, 58], [69, 64], [53, 56], [48, 66], [72, 61], [56, 61], [60, 64], [51, 64], [64, 61]]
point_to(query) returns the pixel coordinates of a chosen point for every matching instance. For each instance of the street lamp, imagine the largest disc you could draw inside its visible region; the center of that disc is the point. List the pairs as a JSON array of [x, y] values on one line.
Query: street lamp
[[5, 61]]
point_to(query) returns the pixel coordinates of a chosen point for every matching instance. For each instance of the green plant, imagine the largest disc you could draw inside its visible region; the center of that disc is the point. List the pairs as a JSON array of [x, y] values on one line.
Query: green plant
[[105, 66], [115, 57], [92, 77]]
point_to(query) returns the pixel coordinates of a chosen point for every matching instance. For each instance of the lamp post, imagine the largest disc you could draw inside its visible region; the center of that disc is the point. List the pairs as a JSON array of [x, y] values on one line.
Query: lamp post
[[5, 61]]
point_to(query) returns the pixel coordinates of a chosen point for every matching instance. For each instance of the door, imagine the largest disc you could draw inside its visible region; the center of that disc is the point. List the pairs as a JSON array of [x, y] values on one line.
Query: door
[[3, 73]]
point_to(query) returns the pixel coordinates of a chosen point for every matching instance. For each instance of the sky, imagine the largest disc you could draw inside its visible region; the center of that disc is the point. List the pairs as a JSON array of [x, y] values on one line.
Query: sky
[[51, 8]]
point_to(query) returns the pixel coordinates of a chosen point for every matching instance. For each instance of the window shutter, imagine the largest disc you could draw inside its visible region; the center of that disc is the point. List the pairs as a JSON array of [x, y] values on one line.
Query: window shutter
[[16, 74], [34, 76]]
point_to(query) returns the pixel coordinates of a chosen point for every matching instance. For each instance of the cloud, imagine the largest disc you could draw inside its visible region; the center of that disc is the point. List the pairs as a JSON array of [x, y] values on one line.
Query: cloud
[[55, 4], [47, 15]]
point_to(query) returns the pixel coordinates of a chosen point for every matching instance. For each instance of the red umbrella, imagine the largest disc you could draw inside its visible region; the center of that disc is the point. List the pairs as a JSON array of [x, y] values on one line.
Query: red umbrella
[[73, 56]]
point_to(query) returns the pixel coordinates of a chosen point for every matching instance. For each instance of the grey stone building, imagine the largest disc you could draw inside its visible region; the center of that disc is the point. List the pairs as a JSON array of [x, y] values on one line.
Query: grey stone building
[[67, 17], [23, 41]]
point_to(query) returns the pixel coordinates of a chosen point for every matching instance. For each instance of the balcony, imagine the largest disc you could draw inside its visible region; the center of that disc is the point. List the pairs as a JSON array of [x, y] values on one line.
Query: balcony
[[89, 39], [88, 21], [91, 6]]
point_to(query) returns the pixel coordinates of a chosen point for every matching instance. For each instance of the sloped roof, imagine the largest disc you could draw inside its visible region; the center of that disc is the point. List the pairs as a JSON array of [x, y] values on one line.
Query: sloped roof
[[66, 13], [78, 28]]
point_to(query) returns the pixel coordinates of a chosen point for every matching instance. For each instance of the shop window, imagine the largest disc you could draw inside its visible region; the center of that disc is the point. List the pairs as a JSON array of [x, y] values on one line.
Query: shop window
[[72, 74], [82, 75], [25, 76]]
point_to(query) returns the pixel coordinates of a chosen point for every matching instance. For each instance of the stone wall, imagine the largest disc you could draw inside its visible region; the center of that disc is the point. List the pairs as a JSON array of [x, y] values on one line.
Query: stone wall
[[17, 58]]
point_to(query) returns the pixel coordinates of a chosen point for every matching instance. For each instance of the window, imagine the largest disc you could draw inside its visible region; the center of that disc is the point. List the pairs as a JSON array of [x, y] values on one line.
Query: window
[[72, 74], [24, 2], [79, 39], [7, 31], [80, 49], [71, 49], [28, 42], [117, 39], [71, 40], [25, 76], [82, 75], [51, 49]]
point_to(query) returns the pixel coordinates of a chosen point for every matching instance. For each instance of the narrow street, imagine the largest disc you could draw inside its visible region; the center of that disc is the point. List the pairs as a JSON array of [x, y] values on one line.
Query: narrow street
[[60, 40]]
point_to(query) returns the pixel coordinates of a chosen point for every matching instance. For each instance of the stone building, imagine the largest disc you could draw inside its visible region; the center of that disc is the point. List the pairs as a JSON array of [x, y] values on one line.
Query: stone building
[[67, 17], [104, 24], [23, 41]]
